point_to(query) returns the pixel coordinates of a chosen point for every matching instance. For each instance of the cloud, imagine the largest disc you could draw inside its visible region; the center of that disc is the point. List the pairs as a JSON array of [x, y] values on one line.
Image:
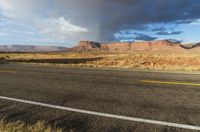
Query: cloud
[[144, 37], [58, 28], [100, 20], [159, 29], [3, 34], [130, 35], [175, 40], [124, 14], [37, 15], [196, 22], [169, 32], [21, 9]]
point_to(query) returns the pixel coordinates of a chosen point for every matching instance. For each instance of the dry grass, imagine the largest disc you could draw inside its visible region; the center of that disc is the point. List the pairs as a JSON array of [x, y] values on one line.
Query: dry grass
[[162, 61], [22, 127], [52, 55], [157, 61]]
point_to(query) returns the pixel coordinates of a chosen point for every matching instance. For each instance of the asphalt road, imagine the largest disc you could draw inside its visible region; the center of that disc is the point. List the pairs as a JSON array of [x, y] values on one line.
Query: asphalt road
[[169, 97]]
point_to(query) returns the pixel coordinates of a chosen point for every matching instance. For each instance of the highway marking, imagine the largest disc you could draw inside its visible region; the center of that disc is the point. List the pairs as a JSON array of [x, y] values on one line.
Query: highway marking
[[7, 71], [173, 83], [169, 124]]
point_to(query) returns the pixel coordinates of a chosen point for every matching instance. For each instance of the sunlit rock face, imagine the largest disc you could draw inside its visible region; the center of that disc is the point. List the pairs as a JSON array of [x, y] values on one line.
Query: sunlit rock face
[[162, 45]]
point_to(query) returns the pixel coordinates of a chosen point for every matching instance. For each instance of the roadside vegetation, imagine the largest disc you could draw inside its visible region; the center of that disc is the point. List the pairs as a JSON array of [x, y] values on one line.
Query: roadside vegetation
[[140, 60], [41, 127], [23, 127], [2, 60]]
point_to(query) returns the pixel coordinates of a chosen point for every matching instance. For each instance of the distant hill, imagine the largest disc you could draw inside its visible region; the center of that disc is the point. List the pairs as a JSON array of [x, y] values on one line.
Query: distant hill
[[28, 48]]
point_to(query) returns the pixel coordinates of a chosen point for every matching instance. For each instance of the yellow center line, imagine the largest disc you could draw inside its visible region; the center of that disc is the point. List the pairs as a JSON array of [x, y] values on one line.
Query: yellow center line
[[7, 71], [173, 83]]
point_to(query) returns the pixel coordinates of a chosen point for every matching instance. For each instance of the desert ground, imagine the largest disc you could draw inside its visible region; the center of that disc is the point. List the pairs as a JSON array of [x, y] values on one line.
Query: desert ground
[[137, 60]]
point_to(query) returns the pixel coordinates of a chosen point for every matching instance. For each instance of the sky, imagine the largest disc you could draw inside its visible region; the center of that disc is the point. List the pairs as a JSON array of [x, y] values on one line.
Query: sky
[[66, 22]]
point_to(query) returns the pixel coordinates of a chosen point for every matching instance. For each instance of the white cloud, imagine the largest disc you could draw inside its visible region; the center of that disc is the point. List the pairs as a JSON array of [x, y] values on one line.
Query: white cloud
[[22, 5], [3, 34], [196, 22], [59, 28], [5, 5], [9, 8], [31, 13], [20, 9], [43, 19]]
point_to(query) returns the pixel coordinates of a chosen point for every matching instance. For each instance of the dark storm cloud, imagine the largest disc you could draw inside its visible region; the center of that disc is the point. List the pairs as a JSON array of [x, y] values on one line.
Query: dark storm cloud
[[101, 20], [126, 14], [106, 17]]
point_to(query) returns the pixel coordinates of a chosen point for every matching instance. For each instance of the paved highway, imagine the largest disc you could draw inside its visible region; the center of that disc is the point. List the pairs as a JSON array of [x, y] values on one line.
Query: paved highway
[[168, 97]]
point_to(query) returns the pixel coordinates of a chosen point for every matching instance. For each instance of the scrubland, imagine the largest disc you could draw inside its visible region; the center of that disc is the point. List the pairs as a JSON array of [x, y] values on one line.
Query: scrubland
[[23, 127], [139, 60]]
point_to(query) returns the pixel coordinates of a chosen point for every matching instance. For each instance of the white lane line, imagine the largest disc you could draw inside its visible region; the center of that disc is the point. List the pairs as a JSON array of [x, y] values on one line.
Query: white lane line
[[169, 124]]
